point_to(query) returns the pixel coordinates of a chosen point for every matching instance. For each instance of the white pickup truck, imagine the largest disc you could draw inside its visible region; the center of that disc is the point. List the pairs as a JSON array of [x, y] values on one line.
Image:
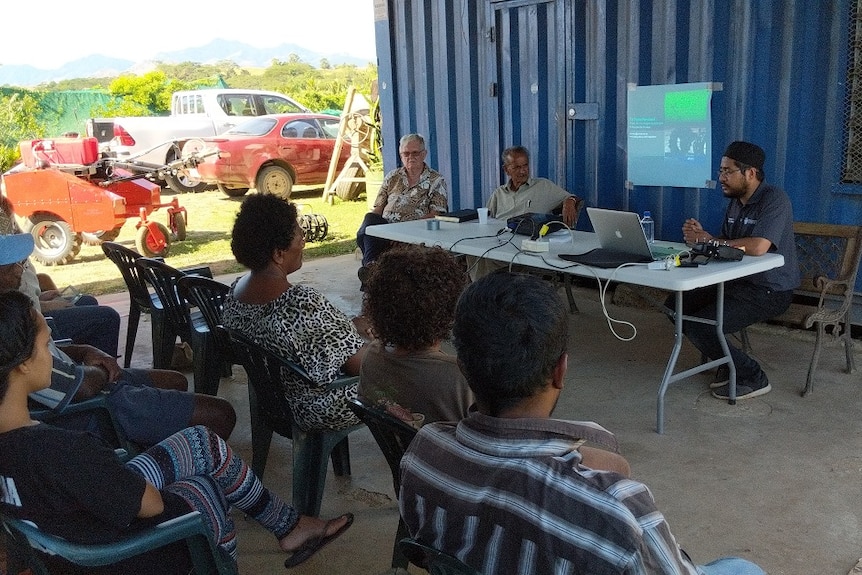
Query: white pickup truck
[[159, 140]]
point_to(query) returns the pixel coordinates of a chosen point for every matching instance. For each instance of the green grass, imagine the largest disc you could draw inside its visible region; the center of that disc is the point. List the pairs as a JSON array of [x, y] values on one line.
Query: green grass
[[210, 219]]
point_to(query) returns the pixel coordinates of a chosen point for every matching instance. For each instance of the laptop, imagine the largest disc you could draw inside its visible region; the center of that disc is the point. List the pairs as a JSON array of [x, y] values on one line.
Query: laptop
[[622, 241]]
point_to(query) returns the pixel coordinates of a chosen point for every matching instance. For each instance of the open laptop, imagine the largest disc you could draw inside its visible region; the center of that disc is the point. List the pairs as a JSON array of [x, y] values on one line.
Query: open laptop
[[622, 241]]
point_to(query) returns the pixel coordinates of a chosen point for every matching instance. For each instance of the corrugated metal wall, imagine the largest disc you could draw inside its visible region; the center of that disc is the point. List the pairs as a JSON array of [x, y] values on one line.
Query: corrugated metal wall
[[477, 75]]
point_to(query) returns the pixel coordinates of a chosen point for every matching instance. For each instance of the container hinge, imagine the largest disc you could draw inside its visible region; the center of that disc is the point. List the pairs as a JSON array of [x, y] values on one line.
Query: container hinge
[[490, 35], [493, 90]]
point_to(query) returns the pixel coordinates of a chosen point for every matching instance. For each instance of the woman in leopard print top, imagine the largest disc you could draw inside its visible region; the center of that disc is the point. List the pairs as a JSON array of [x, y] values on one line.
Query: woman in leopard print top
[[295, 321]]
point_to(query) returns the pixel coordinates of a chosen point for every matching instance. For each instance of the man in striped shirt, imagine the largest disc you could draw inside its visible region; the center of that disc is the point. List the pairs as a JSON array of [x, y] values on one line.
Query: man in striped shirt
[[506, 490]]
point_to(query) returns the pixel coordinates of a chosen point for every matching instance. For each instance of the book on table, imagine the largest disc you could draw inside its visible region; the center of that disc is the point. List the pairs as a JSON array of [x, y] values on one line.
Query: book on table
[[459, 216]]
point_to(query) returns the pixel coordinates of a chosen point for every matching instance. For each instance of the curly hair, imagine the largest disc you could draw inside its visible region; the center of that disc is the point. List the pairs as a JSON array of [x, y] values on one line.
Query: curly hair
[[263, 224], [410, 295], [17, 334]]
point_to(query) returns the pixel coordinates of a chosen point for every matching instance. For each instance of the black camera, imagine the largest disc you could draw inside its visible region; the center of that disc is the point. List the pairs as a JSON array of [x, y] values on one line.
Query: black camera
[[702, 252]]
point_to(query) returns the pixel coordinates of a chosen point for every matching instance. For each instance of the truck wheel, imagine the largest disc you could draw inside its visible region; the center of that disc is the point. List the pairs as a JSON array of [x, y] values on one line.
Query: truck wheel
[[275, 180], [182, 183], [55, 242], [178, 226], [148, 246], [185, 181], [232, 192], [349, 191], [96, 238]]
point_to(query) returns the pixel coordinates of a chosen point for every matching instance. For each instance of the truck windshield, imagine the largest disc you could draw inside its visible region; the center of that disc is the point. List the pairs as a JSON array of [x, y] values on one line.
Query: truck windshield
[[256, 127]]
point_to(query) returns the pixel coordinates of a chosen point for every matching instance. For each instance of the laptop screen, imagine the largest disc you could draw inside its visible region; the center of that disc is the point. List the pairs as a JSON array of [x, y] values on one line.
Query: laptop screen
[[619, 231]]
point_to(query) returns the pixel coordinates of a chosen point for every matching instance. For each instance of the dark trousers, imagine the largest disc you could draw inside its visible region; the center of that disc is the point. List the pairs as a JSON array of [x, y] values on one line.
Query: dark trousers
[[86, 322], [744, 304], [370, 246]]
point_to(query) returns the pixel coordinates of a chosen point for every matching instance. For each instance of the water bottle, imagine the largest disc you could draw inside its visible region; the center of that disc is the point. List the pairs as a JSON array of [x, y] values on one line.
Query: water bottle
[[648, 226]]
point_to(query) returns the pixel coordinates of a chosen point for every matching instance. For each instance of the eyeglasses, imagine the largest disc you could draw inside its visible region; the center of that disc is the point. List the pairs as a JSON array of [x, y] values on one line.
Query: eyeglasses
[[727, 171], [412, 154]]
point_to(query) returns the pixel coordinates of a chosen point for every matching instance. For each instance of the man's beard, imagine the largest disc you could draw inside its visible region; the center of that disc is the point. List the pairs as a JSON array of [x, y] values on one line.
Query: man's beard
[[733, 192]]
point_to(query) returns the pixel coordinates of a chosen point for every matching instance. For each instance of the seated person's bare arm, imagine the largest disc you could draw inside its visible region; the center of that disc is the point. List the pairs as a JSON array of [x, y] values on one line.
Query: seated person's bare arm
[[569, 210], [605, 460], [100, 369], [354, 362], [693, 233], [151, 502], [753, 246]]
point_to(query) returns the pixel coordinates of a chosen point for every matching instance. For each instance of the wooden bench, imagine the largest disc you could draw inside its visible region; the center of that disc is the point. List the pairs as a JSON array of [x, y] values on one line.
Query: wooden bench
[[828, 256]]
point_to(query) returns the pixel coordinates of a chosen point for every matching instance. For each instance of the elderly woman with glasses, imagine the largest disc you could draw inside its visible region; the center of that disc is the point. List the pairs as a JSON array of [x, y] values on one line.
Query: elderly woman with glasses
[[411, 192]]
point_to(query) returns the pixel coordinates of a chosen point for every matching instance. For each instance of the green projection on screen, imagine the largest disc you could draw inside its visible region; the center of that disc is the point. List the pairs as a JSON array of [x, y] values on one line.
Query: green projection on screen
[[670, 135]]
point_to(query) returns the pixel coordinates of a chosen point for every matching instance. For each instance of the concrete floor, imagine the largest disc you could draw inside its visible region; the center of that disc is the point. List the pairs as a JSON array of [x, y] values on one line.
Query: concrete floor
[[776, 479]]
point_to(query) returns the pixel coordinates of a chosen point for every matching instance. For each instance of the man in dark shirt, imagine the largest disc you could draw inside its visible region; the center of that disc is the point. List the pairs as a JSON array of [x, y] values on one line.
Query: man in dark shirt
[[759, 220]]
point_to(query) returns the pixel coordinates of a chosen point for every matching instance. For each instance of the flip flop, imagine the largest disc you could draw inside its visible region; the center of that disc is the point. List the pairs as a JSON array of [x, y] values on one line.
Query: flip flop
[[315, 544]]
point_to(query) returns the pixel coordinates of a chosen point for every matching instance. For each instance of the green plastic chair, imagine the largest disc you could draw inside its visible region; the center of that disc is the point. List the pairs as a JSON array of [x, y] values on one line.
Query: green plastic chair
[[393, 436], [25, 544], [433, 560], [271, 412]]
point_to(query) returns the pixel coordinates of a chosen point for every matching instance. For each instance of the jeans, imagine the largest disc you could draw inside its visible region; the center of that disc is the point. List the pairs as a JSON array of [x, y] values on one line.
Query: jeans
[[86, 322], [370, 246], [744, 304], [730, 566]]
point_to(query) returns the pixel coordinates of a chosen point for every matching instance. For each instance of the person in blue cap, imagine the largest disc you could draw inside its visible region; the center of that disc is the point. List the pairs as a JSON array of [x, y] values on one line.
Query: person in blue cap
[[149, 404]]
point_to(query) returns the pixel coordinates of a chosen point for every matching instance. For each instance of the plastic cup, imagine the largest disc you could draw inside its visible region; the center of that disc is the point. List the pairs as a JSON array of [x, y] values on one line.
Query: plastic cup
[[483, 215]]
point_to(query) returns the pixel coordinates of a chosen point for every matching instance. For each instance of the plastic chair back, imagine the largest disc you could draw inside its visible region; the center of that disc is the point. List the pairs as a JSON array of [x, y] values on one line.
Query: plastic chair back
[[125, 259], [208, 296], [271, 412], [25, 541], [434, 561], [164, 278], [140, 298], [393, 436]]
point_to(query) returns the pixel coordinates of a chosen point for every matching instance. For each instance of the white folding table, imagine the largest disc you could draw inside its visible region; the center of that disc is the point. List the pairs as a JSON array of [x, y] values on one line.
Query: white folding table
[[474, 239]]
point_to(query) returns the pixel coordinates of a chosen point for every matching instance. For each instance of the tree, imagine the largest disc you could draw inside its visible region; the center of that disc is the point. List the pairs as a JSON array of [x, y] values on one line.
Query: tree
[[18, 113], [151, 91]]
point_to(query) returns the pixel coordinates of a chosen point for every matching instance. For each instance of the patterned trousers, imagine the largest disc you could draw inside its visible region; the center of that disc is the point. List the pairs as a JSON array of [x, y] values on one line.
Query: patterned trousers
[[201, 468]]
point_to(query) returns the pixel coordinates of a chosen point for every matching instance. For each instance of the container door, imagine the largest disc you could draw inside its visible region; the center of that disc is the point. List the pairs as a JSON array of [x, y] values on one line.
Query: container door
[[529, 82]]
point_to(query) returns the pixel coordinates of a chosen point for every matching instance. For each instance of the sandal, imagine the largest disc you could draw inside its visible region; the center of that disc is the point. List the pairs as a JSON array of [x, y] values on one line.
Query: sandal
[[315, 544]]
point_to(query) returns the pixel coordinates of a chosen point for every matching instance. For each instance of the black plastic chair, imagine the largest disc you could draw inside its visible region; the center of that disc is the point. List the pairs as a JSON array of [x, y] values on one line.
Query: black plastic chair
[[432, 560], [26, 545], [392, 436], [140, 298], [180, 321], [208, 295], [271, 412]]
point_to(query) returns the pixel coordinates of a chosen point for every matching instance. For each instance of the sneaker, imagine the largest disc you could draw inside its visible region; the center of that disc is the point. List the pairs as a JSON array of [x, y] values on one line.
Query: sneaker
[[722, 377], [745, 389]]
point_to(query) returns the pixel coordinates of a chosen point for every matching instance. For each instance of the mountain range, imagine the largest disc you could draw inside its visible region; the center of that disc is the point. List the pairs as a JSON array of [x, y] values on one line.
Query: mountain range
[[101, 66]]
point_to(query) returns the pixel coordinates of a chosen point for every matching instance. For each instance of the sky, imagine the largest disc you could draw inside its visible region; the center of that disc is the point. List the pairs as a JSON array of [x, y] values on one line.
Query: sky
[[61, 31]]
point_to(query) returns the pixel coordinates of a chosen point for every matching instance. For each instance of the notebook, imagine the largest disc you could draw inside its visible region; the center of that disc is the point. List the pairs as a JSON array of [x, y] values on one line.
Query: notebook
[[622, 241], [459, 216]]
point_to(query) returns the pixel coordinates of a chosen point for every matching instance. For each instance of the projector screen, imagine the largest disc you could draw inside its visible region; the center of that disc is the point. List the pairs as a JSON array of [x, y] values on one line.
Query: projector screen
[[670, 135]]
